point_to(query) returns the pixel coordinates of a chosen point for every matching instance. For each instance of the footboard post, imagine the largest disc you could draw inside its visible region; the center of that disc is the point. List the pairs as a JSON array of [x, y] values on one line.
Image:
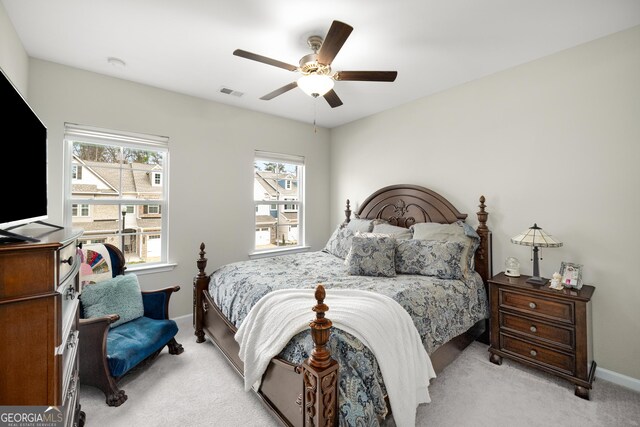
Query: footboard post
[[483, 262], [320, 372], [200, 284]]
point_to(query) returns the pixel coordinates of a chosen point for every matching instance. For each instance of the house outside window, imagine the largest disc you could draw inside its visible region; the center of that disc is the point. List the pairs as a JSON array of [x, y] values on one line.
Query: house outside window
[[279, 201], [120, 193]]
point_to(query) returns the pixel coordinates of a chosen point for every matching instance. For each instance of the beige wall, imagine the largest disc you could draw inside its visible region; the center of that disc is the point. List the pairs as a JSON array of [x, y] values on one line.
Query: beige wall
[[14, 61], [555, 141]]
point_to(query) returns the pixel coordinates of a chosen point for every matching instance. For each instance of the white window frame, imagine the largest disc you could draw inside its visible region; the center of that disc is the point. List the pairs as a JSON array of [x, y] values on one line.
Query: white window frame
[[99, 136], [265, 156]]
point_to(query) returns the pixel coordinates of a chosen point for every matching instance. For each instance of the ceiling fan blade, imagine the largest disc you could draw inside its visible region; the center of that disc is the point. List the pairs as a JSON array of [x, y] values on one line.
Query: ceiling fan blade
[[337, 35], [333, 99], [367, 76], [264, 59], [280, 91]]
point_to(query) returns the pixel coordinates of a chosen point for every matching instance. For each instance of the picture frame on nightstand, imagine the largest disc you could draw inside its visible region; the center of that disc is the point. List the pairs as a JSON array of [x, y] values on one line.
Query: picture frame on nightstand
[[571, 275]]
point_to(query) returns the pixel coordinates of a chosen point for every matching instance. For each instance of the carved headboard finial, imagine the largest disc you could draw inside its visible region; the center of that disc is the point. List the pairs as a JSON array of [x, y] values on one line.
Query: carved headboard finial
[[482, 215], [347, 212]]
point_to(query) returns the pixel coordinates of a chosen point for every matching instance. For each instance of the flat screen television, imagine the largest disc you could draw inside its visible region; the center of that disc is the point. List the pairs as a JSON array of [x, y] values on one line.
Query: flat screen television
[[24, 172]]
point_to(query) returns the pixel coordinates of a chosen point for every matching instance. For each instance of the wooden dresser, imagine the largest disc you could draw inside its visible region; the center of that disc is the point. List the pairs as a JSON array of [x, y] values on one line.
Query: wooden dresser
[[543, 328], [39, 323]]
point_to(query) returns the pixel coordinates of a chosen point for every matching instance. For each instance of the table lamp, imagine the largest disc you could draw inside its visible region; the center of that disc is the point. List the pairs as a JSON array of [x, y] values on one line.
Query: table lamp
[[537, 238]]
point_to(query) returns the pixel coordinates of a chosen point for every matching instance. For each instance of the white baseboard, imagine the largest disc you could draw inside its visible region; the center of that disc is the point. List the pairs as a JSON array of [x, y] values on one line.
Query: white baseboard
[[619, 379], [182, 318]]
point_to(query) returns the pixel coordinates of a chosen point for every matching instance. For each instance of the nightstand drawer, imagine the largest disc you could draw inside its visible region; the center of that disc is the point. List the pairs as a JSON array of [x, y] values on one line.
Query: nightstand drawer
[[538, 354], [552, 309], [557, 335]]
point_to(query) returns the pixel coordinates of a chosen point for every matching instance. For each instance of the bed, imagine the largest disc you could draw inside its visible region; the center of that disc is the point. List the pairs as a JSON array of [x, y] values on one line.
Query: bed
[[324, 375]]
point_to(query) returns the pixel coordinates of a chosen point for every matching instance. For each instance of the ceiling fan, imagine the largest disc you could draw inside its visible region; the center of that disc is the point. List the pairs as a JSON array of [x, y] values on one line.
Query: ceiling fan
[[317, 77]]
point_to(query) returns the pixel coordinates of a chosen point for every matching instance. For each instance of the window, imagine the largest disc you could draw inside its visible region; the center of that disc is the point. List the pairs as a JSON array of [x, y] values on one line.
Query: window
[[76, 173], [116, 190], [79, 210], [151, 209], [156, 178], [278, 183]]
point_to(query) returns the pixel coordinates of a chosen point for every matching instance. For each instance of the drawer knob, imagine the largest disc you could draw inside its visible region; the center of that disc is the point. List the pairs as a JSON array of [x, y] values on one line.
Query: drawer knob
[[533, 329], [68, 261], [533, 353], [532, 305]]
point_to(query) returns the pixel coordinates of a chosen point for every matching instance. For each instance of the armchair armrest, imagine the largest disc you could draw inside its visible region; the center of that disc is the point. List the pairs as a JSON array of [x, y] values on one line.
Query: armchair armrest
[[94, 365], [93, 347], [156, 303]]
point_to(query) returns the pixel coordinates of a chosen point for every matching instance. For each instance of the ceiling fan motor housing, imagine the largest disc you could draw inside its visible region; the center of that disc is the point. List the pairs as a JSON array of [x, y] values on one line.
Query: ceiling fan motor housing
[[309, 65]]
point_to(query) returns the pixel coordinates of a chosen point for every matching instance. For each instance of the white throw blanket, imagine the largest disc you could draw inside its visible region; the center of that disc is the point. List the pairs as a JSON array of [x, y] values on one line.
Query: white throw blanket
[[376, 320]]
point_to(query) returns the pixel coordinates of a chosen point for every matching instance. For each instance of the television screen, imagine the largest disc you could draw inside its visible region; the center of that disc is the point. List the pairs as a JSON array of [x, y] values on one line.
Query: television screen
[[24, 172]]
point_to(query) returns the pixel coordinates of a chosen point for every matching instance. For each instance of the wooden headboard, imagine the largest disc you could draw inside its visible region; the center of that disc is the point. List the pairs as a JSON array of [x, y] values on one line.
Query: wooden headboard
[[404, 205]]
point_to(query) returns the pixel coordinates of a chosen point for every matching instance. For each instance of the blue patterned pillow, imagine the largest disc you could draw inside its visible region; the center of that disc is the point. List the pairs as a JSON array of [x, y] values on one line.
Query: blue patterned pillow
[[339, 243], [371, 255], [120, 295], [430, 258], [455, 232]]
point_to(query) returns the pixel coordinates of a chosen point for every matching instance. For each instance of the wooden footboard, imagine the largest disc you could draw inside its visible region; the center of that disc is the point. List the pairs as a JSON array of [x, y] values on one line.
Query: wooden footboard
[[298, 395]]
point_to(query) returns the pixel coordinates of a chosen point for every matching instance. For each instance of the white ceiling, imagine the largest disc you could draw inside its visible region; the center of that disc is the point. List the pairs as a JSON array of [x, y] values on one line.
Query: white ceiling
[[186, 45]]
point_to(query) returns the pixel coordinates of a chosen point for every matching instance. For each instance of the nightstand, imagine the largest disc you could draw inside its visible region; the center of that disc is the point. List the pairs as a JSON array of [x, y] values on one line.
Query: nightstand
[[543, 328]]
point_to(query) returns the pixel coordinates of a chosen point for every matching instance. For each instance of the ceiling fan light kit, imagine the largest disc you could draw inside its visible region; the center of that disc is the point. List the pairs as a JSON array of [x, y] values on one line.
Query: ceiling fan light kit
[[315, 85], [317, 78]]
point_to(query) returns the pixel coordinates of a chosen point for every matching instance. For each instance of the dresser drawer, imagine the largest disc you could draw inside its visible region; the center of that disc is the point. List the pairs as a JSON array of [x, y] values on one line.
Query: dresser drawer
[[552, 309], [69, 302], [538, 354], [69, 359], [68, 259], [563, 337], [71, 399]]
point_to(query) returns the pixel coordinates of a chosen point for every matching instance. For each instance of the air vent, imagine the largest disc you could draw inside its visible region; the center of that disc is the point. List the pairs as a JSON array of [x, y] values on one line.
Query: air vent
[[228, 91]]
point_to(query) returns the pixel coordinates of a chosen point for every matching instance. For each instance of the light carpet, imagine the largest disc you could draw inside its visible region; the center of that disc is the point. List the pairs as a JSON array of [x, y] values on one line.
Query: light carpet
[[199, 388]]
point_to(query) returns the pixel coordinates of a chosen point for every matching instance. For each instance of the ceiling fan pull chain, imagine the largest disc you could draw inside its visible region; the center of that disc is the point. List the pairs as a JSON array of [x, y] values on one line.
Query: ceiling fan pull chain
[[315, 113]]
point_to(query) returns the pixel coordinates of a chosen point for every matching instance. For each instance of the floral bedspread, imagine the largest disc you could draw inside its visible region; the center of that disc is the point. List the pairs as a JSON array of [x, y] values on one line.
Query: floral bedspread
[[440, 308]]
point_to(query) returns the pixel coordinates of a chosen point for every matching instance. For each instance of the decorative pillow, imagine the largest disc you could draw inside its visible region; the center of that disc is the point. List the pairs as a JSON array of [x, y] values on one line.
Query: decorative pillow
[[392, 230], [456, 232], [95, 263], [358, 224], [339, 243], [430, 258], [119, 295], [371, 255]]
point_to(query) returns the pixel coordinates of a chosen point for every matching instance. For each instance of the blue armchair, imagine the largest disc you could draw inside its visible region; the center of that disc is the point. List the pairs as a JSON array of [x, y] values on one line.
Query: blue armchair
[[108, 353]]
